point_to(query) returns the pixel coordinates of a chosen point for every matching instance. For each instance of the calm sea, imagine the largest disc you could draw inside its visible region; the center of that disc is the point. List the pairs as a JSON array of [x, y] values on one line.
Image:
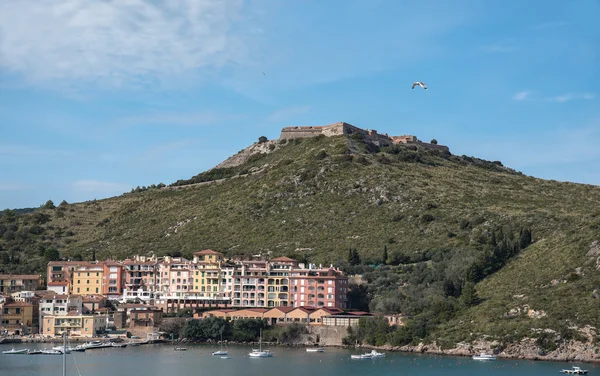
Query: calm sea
[[150, 360]]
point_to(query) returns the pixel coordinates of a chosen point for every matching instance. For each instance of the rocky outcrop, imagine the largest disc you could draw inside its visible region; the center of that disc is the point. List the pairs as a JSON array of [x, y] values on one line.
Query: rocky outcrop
[[524, 349], [241, 157]]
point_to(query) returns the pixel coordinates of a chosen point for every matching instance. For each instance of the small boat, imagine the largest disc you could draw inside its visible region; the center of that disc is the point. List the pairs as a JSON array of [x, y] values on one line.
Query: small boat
[[96, 345], [61, 349], [15, 352], [33, 352], [315, 349], [575, 371], [225, 357], [370, 355], [51, 352], [180, 349], [120, 345], [133, 343], [78, 348], [260, 353], [484, 356]]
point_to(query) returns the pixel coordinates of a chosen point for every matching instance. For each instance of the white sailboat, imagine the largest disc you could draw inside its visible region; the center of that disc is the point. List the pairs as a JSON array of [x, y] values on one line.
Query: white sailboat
[[221, 352], [260, 353]]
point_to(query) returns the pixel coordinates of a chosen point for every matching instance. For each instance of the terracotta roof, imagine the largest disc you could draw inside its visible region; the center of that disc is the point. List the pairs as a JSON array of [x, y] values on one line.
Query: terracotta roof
[[331, 310], [58, 283], [307, 309], [207, 252], [225, 310], [56, 297], [257, 310], [93, 298], [283, 259], [283, 309], [17, 304], [20, 276]]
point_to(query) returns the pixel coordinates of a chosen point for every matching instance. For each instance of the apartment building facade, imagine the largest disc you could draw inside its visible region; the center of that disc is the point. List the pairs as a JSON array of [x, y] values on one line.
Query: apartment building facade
[[209, 280], [11, 283]]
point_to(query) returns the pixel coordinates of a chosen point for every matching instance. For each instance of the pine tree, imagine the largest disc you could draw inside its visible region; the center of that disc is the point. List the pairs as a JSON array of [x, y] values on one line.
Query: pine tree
[[525, 238], [385, 255]]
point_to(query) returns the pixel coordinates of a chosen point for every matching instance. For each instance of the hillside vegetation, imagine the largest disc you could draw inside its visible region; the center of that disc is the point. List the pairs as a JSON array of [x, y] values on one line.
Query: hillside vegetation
[[465, 247]]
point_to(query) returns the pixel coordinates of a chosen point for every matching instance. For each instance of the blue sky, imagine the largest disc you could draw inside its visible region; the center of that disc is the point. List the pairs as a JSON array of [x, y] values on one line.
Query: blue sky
[[97, 97]]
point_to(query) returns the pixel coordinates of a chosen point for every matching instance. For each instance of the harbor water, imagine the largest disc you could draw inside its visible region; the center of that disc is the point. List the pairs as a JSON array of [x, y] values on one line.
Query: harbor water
[[163, 360]]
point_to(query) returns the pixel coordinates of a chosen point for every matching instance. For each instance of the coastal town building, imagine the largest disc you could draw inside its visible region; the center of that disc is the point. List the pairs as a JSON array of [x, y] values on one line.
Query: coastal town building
[[208, 280], [88, 278], [58, 305], [287, 315], [11, 283], [16, 317], [75, 324]]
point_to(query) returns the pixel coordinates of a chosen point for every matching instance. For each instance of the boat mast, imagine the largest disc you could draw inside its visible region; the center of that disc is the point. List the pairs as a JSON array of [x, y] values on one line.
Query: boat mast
[[65, 353], [260, 340]]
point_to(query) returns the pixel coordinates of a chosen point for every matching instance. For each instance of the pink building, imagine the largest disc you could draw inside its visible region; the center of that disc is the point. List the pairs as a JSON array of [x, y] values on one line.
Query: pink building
[[318, 287]]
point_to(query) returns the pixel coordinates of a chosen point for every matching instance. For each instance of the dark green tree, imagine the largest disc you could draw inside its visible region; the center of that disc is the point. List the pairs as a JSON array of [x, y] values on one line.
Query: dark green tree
[[262, 139], [434, 141], [353, 257], [49, 205], [469, 294], [9, 216], [525, 238], [63, 203], [51, 254]]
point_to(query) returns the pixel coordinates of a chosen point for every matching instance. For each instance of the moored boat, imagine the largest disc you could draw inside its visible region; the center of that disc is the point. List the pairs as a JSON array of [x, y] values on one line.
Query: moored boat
[[180, 349], [575, 371], [51, 352], [370, 355], [13, 351], [260, 353], [315, 349], [484, 356]]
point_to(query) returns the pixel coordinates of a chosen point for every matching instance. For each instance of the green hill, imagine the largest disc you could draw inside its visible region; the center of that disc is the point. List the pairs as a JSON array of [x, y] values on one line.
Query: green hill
[[443, 223]]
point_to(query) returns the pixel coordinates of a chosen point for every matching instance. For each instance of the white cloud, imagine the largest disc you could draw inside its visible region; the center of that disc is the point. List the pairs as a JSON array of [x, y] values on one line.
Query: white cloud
[[526, 95], [99, 188], [118, 43], [571, 96], [522, 95], [287, 113]]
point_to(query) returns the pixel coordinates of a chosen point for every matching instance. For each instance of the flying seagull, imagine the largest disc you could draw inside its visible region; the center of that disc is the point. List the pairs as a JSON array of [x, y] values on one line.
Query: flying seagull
[[421, 84]]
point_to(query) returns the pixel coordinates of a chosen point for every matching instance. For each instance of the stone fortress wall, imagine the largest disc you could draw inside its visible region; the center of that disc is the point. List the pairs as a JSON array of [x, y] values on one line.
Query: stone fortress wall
[[340, 128]]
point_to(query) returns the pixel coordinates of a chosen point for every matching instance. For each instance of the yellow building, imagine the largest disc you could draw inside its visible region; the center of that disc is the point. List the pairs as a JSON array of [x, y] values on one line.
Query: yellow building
[[16, 317], [87, 279], [207, 273], [278, 289], [75, 325]]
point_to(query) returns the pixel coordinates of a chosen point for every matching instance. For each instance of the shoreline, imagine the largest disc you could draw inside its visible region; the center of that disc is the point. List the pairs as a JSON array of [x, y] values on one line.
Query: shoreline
[[566, 354]]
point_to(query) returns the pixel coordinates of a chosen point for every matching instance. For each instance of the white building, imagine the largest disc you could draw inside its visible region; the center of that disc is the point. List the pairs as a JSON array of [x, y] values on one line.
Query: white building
[[59, 305]]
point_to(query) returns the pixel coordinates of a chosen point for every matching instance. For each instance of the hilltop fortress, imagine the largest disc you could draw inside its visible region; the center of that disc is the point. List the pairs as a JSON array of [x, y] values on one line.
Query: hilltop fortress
[[340, 128]]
